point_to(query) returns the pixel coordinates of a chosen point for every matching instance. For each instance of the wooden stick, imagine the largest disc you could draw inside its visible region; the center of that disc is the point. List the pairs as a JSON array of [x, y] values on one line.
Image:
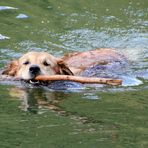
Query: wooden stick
[[79, 79], [68, 78]]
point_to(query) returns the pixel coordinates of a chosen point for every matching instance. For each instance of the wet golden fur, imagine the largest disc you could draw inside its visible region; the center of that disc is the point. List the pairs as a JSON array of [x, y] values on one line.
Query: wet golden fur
[[71, 64]]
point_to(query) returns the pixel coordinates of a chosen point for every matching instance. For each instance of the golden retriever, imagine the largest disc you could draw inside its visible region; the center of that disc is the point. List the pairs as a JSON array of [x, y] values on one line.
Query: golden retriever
[[33, 64]]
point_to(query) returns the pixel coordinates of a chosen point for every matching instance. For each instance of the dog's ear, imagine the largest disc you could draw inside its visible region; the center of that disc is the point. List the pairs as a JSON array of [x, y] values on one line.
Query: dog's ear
[[63, 68], [11, 68]]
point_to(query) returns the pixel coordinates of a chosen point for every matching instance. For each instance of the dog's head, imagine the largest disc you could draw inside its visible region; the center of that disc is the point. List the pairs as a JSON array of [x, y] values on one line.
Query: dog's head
[[33, 64]]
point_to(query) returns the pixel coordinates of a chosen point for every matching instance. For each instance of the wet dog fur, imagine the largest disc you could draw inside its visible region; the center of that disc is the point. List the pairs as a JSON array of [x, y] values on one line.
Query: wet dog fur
[[33, 64]]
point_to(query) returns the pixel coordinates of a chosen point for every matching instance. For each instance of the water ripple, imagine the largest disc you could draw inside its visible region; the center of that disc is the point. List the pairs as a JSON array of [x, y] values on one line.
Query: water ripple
[[7, 8], [86, 39], [2, 37]]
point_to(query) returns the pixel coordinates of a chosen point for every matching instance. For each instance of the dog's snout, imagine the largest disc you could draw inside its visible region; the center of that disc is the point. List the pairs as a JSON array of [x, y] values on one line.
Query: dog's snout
[[34, 69]]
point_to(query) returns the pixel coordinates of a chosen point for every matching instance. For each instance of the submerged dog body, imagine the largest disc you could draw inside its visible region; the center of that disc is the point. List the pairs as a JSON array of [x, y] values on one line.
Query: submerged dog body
[[33, 64]]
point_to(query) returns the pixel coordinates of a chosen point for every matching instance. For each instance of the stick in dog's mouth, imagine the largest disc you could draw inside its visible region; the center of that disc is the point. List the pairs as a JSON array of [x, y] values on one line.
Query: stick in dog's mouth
[[80, 79], [46, 79]]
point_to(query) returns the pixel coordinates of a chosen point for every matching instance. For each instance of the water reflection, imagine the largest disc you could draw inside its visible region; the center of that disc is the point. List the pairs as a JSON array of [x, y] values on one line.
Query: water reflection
[[37, 100]]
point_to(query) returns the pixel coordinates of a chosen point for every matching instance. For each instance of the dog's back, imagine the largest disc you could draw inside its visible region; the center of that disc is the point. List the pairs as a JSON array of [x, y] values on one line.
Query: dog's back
[[80, 62]]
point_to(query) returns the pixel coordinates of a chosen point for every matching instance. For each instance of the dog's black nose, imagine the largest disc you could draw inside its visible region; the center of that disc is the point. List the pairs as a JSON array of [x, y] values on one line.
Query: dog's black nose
[[34, 69]]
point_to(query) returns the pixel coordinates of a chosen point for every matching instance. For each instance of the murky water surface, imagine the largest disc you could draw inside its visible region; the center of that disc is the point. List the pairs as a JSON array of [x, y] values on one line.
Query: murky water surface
[[75, 115]]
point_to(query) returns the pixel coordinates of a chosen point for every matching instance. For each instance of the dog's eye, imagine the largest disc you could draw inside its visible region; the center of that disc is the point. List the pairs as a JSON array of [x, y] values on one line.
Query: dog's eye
[[45, 63], [26, 63]]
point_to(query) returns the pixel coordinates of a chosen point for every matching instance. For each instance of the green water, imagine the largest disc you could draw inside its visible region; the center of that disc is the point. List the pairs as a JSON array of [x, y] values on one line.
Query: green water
[[89, 117]]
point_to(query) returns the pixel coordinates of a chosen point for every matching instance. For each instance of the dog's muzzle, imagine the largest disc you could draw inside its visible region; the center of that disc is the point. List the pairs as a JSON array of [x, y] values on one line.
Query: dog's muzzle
[[34, 70]]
